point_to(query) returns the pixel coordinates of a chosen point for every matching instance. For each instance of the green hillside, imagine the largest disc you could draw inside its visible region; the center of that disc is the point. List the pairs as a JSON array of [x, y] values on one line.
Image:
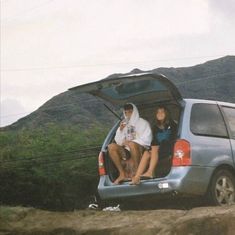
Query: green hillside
[[52, 167]]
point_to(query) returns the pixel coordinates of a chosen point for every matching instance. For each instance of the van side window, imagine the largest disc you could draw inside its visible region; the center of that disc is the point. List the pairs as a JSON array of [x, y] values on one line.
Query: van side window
[[206, 119], [230, 115]]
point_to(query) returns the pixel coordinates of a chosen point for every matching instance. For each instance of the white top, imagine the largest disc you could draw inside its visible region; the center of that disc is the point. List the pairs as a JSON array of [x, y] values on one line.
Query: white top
[[137, 130]]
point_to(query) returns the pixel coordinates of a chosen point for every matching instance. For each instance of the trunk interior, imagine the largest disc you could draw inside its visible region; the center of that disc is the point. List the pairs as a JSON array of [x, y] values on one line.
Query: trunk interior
[[164, 163]]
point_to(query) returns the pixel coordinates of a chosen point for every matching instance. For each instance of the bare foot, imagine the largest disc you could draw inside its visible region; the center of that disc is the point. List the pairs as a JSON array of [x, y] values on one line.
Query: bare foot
[[147, 175], [119, 179], [135, 180]]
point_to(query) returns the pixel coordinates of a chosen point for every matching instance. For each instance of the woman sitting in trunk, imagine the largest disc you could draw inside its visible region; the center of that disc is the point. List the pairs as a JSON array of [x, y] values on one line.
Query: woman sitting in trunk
[[164, 133]]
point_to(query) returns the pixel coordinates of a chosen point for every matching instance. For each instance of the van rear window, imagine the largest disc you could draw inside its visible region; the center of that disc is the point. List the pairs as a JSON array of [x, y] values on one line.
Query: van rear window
[[206, 119], [230, 115]]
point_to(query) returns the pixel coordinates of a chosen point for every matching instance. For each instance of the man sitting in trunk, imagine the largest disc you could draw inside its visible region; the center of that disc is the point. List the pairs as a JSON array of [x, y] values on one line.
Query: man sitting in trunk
[[132, 137]]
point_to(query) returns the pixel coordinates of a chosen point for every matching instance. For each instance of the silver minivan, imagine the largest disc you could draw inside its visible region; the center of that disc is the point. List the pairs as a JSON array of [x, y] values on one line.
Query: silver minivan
[[202, 160]]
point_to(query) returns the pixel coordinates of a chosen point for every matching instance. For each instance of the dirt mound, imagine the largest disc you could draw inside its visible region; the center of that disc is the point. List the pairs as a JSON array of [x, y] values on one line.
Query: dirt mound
[[203, 220]]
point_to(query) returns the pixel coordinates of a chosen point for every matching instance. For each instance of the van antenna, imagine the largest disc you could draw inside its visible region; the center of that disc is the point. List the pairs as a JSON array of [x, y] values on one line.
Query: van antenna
[[113, 112]]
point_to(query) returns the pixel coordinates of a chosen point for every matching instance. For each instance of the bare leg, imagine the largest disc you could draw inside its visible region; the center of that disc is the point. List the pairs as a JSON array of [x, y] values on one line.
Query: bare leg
[[115, 155], [135, 153], [141, 168], [153, 162]]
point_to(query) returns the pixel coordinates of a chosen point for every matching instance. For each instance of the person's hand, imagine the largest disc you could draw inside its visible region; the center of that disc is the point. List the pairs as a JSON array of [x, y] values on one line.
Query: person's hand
[[122, 125], [126, 143]]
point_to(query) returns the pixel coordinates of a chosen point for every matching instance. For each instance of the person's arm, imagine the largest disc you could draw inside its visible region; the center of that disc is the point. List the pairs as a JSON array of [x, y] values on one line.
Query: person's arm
[[120, 134], [155, 140]]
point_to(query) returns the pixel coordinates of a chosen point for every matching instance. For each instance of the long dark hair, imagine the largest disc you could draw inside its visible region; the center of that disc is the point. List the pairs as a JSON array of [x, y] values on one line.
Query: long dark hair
[[167, 117]]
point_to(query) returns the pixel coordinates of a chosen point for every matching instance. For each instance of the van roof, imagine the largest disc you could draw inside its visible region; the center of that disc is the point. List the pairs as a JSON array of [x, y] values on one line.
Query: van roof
[[192, 101]]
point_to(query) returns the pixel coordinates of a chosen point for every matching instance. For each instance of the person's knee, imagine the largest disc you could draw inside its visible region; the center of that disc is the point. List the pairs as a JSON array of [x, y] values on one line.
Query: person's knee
[[112, 147], [135, 148], [133, 145]]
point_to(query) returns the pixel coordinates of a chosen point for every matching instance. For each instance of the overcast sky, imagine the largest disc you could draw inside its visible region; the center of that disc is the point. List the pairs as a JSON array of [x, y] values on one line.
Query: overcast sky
[[48, 46]]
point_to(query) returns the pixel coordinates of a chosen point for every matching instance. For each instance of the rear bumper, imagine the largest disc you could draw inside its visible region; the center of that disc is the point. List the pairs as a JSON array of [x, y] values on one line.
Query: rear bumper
[[190, 180]]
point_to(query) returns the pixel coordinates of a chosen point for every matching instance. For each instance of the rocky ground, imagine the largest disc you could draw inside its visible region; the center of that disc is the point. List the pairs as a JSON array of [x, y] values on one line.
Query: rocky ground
[[200, 220]]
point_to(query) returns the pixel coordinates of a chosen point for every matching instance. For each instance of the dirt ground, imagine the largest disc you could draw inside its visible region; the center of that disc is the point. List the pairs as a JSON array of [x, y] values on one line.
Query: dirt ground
[[201, 220]]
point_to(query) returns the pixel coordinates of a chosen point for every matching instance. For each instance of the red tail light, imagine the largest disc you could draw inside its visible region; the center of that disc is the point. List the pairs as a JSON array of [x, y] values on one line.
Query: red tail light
[[101, 164], [182, 153]]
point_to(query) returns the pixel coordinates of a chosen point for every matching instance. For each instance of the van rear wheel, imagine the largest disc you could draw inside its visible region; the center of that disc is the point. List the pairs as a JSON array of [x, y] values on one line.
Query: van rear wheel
[[222, 188]]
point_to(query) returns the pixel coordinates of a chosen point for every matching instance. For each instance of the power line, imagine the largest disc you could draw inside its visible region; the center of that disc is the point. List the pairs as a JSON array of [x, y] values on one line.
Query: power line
[[48, 163], [52, 107], [15, 114], [43, 162], [101, 64], [82, 151], [205, 78], [33, 170], [85, 151], [97, 100], [56, 160], [57, 106], [81, 148]]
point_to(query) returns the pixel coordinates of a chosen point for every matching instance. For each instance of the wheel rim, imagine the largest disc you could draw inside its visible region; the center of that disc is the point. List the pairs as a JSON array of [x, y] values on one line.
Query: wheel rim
[[224, 191]]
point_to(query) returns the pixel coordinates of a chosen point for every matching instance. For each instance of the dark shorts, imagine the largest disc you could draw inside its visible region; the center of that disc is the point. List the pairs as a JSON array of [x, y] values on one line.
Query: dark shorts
[[165, 149], [125, 154]]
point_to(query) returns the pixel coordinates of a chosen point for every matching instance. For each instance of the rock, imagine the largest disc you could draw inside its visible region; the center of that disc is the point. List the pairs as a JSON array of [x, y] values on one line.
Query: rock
[[202, 220]]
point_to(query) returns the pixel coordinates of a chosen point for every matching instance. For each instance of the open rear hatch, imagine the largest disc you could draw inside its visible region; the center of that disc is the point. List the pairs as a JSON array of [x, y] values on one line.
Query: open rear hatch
[[139, 89], [144, 90]]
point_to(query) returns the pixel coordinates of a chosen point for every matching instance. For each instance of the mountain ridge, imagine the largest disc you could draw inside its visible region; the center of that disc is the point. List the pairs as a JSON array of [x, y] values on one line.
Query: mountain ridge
[[214, 79]]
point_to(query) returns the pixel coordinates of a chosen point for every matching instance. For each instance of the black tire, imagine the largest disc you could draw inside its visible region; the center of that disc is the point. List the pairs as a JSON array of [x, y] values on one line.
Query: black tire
[[221, 191]]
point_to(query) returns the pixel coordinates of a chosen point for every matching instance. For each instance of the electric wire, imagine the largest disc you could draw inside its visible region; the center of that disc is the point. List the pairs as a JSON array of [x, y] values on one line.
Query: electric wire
[[84, 151], [96, 147], [101, 64], [205, 78], [42, 162], [46, 166], [49, 164], [84, 101]]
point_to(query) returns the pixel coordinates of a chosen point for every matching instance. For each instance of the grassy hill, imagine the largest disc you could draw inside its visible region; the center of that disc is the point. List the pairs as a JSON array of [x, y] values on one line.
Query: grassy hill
[[48, 159]]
